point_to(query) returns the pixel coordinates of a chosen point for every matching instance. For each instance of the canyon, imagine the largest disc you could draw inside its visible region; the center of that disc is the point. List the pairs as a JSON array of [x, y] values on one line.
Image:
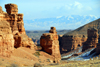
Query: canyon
[[16, 45], [12, 32], [86, 35]]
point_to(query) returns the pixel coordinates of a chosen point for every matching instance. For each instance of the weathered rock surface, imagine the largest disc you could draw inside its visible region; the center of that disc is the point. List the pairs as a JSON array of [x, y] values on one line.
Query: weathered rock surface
[[80, 32], [50, 44], [71, 42], [92, 39], [15, 19], [6, 39], [12, 32], [11, 8], [17, 27], [1, 10]]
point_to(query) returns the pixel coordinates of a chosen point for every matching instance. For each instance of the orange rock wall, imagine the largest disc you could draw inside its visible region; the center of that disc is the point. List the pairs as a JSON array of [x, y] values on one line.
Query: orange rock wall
[[12, 31], [17, 27], [6, 36], [50, 44]]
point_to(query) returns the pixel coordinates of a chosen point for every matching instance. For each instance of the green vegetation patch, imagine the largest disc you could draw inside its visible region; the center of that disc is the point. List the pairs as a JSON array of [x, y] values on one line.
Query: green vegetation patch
[[37, 54]]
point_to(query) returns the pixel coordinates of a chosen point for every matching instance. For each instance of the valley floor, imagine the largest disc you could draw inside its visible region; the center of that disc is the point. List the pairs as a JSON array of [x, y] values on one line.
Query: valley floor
[[63, 63], [25, 57], [89, 63]]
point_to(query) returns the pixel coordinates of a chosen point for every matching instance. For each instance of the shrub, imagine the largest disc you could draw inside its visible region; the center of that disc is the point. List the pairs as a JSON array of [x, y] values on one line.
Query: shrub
[[13, 65], [37, 53], [37, 65]]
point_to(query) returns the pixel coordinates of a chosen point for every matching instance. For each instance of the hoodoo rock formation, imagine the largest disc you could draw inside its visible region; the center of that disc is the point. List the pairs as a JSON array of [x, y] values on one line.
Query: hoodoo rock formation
[[50, 44], [17, 26], [12, 32], [71, 42], [92, 39]]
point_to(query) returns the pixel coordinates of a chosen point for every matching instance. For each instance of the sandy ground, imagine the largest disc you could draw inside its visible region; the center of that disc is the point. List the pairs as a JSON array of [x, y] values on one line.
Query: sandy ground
[[25, 57]]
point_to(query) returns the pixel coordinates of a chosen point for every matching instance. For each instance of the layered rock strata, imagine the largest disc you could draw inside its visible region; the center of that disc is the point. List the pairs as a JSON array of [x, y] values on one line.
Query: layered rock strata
[[6, 39], [50, 44], [12, 31], [92, 39], [71, 42], [17, 26], [6, 36]]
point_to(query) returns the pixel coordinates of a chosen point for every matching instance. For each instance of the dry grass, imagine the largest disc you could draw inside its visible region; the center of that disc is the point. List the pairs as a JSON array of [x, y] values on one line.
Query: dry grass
[[89, 63]]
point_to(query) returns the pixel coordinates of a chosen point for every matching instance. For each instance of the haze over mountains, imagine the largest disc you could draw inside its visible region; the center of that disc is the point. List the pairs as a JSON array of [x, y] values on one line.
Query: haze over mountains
[[83, 29], [60, 22]]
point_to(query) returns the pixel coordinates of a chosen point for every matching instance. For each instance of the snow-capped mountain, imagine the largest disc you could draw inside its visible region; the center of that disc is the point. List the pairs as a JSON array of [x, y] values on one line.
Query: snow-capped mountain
[[60, 22]]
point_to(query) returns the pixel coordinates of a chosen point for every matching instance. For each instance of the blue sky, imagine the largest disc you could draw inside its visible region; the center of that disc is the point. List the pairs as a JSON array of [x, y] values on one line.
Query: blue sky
[[33, 9], [37, 9]]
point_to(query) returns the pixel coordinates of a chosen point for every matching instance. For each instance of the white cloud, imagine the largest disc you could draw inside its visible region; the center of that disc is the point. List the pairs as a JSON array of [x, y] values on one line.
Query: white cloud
[[78, 5], [52, 8], [70, 7], [58, 16]]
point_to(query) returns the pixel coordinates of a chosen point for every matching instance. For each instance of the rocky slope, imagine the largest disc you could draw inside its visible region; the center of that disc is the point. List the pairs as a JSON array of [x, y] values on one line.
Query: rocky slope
[[73, 39], [92, 39], [83, 29], [15, 44]]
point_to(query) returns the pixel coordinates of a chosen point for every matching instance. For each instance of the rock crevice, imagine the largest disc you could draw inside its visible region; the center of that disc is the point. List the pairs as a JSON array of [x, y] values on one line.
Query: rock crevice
[[12, 31]]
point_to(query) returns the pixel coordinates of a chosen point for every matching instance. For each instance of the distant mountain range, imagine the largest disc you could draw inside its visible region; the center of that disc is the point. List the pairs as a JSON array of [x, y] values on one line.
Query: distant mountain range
[[60, 22], [35, 35]]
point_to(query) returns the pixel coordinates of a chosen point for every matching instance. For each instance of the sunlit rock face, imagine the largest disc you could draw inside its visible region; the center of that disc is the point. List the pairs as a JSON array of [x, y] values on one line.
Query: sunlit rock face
[[15, 19], [50, 44], [6, 39], [12, 31], [6, 36], [17, 27], [92, 39]]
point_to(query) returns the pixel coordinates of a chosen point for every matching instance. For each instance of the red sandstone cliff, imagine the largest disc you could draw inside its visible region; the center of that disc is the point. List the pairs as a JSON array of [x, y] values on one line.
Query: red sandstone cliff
[[50, 44], [12, 32]]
